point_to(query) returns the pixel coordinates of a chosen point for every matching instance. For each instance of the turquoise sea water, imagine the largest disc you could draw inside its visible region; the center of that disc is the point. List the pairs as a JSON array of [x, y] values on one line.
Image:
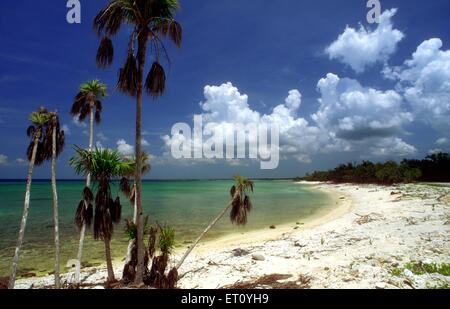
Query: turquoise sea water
[[188, 206]]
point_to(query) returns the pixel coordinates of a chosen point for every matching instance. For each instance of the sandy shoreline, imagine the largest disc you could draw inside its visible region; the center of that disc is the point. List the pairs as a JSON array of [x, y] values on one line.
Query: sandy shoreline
[[355, 245]]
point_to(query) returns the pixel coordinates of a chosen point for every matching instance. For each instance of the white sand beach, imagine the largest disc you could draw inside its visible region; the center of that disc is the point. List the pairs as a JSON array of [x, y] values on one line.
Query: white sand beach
[[372, 230]]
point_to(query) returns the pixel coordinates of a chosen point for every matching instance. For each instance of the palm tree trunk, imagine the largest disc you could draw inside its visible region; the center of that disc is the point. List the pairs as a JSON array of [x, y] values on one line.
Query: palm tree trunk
[[55, 210], [131, 242], [204, 232], [108, 260], [23, 223], [142, 47], [88, 184]]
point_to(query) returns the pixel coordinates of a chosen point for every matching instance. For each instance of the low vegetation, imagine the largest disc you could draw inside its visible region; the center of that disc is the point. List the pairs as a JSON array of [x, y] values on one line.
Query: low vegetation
[[423, 268], [434, 168]]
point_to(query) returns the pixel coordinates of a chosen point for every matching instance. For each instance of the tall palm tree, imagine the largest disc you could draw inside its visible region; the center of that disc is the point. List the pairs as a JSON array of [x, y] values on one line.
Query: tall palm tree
[[104, 167], [35, 155], [130, 192], [54, 143], [89, 97], [240, 203], [151, 21]]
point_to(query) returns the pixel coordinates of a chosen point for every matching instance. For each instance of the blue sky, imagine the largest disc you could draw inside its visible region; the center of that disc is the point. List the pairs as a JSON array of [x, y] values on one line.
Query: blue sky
[[378, 92]]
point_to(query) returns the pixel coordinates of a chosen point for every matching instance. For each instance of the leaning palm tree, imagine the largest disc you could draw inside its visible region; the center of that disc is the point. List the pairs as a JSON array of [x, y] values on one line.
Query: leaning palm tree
[[104, 167], [130, 192], [35, 155], [240, 203], [89, 97], [151, 22], [54, 142]]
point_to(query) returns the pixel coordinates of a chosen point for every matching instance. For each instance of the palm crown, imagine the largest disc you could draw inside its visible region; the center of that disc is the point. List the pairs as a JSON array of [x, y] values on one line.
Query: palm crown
[[152, 20], [89, 96], [100, 163], [241, 203], [53, 124], [104, 166], [38, 119]]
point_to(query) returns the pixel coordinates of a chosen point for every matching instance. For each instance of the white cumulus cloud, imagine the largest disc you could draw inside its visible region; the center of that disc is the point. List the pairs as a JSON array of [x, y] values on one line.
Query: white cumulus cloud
[[350, 117], [3, 159], [76, 122], [66, 129], [442, 141], [124, 148], [101, 136], [354, 112], [362, 48], [424, 81]]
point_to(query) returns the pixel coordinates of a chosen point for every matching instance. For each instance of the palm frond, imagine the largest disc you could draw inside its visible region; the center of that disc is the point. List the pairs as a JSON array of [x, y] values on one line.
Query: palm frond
[[241, 205], [105, 53], [80, 215], [110, 19], [89, 215], [128, 76], [155, 84], [97, 117], [30, 131], [125, 187], [88, 196], [176, 33]]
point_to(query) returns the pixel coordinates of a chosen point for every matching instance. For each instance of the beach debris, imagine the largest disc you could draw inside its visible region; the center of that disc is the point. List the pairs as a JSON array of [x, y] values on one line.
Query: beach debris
[[444, 198], [273, 227], [258, 257], [240, 252], [194, 271], [368, 218], [297, 244], [273, 282], [347, 279], [411, 221], [395, 193]]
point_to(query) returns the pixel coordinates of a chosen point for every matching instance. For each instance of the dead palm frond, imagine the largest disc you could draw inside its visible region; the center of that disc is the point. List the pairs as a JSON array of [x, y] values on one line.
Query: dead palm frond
[[241, 204]]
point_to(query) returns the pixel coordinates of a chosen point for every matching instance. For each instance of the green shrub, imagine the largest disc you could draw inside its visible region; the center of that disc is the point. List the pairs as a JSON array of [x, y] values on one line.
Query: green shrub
[[166, 239]]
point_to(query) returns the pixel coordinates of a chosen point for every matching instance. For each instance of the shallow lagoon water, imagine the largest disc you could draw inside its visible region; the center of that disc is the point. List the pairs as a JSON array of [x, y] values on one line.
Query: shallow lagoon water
[[188, 206]]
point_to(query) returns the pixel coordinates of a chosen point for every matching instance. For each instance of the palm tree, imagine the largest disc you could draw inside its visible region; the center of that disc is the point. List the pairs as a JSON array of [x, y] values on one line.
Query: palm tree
[[54, 142], [89, 97], [130, 192], [104, 167], [152, 21], [240, 203], [34, 154]]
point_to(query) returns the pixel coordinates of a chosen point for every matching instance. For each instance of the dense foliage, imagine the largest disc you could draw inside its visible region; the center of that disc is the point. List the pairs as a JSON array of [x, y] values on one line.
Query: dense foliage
[[434, 168]]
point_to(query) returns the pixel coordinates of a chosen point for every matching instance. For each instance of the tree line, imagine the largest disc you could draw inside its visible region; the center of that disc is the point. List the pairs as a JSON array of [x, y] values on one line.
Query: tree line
[[433, 168]]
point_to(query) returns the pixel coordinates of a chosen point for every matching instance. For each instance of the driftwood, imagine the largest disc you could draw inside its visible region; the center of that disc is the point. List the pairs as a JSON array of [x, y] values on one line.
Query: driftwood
[[272, 281], [191, 271]]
